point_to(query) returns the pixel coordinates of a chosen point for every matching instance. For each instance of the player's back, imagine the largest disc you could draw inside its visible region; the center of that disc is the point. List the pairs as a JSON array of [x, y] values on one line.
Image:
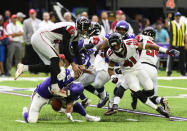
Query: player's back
[[55, 31]]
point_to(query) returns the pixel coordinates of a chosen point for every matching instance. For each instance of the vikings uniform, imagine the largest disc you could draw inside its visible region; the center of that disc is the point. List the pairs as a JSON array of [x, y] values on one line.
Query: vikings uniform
[[131, 68], [42, 94], [149, 59]]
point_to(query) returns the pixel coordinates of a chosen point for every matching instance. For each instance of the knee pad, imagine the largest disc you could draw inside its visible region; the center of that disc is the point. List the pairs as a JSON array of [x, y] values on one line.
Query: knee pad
[[120, 92], [98, 85], [141, 96], [148, 93]]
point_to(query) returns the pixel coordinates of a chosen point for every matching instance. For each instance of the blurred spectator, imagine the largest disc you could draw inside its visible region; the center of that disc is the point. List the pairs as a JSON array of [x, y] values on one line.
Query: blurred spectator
[[105, 22], [161, 33], [84, 14], [46, 20], [6, 22], [95, 18], [20, 18], [119, 14], [52, 17], [8, 15], [30, 26], [14, 48], [139, 19], [67, 17], [145, 23], [178, 35]]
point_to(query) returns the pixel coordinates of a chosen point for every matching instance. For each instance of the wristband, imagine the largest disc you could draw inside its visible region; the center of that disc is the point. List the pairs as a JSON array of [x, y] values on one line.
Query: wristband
[[163, 50]]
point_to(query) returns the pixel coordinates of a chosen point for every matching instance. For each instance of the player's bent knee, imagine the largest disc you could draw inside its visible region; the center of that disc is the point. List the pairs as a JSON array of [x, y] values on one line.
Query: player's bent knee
[[148, 93], [33, 117], [141, 96], [76, 89], [120, 91]]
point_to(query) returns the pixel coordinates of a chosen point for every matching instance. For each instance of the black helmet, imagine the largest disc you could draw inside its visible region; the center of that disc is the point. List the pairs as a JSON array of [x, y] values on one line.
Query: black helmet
[[115, 39], [83, 23], [94, 29], [149, 31]]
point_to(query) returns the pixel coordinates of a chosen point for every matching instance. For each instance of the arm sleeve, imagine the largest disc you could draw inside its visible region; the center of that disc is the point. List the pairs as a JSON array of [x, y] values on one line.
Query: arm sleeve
[[76, 52], [64, 46]]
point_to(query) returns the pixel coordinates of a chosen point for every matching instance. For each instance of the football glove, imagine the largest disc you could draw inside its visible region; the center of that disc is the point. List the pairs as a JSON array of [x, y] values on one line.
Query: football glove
[[173, 52], [114, 79]]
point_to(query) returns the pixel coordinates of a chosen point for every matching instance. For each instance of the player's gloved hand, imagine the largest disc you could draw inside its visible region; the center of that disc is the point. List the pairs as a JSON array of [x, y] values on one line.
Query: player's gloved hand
[[61, 56], [114, 79], [62, 74], [69, 116], [173, 52]]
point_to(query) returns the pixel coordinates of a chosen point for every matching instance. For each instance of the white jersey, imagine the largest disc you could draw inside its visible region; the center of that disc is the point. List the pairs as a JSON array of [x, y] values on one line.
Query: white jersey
[[55, 32], [148, 56], [131, 58]]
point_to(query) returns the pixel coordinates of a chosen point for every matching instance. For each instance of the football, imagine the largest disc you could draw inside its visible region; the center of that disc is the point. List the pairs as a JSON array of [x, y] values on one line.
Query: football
[[56, 104]]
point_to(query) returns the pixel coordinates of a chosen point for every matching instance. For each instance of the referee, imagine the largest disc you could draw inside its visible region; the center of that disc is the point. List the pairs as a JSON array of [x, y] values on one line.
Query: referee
[[178, 36]]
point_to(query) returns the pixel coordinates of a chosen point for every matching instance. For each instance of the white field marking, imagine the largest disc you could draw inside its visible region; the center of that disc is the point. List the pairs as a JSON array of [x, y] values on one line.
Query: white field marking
[[180, 88], [132, 120], [178, 96], [173, 78], [43, 78], [20, 121], [22, 78], [8, 88]]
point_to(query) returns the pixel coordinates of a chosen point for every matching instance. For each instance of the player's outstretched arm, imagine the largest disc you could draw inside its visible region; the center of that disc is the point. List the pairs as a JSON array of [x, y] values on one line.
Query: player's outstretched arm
[[153, 46]]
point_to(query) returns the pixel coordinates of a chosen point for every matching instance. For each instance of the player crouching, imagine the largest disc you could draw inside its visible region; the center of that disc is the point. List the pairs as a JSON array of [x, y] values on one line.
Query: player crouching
[[69, 92]]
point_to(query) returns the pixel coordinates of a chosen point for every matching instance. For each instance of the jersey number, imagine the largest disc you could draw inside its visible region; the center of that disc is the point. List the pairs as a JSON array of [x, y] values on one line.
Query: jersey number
[[152, 53], [130, 62]]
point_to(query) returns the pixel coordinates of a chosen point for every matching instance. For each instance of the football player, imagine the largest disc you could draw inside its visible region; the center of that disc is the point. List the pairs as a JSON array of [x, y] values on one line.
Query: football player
[[125, 53], [43, 42], [149, 59], [69, 92]]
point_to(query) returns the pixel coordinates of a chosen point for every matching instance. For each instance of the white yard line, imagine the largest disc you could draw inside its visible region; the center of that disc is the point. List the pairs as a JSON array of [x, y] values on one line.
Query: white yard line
[[180, 88], [43, 78]]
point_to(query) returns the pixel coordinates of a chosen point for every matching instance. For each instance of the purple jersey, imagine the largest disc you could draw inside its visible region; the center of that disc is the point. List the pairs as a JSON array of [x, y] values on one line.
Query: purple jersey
[[44, 88]]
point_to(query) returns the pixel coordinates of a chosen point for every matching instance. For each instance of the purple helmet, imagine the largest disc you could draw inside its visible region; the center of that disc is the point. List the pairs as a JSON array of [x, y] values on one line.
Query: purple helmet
[[122, 25]]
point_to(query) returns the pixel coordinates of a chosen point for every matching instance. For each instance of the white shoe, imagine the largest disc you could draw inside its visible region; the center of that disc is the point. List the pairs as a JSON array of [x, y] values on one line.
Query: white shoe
[[19, 71], [24, 110], [92, 118]]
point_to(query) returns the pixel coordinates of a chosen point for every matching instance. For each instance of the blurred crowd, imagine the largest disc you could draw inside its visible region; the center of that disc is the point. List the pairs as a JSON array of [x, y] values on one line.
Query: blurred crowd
[[16, 31]]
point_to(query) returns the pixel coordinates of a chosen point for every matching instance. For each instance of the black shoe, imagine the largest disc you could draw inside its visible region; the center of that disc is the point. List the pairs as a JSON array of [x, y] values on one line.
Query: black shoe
[[183, 74], [85, 102], [164, 103], [111, 111], [161, 110], [169, 73], [134, 101]]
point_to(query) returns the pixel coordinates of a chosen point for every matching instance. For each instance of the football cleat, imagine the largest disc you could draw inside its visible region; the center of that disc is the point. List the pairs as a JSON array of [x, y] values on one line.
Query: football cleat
[[85, 102], [134, 101], [164, 103], [92, 118], [111, 111], [161, 110], [102, 102], [25, 114], [19, 71]]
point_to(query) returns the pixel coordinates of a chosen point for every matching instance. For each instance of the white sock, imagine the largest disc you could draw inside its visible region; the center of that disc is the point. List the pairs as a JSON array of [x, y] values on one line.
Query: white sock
[[150, 104], [116, 100], [158, 100], [96, 93], [103, 95], [25, 68]]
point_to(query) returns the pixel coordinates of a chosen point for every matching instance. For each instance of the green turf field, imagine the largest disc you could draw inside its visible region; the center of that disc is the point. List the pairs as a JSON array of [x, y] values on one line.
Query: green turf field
[[176, 91]]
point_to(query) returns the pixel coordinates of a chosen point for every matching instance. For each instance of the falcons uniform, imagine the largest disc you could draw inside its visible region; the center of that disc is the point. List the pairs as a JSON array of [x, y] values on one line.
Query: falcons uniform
[[131, 67], [44, 39], [149, 59], [42, 95]]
